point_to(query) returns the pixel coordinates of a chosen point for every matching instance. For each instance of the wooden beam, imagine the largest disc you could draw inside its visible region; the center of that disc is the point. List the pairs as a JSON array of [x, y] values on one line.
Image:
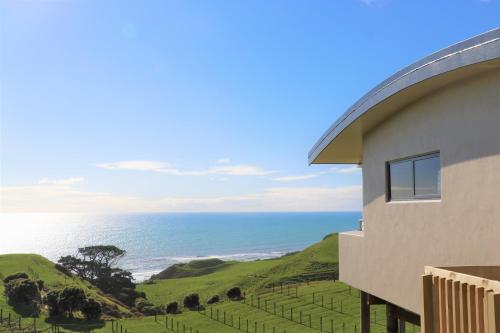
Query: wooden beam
[[427, 304], [494, 312], [480, 309], [471, 305], [449, 307], [464, 309], [436, 302]]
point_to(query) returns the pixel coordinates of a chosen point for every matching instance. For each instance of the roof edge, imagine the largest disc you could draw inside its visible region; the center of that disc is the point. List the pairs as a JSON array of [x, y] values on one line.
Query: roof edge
[[363, 104]]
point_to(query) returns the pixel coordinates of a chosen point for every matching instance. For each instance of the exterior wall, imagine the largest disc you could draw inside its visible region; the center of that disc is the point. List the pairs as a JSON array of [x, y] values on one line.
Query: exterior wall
[[462, 121]]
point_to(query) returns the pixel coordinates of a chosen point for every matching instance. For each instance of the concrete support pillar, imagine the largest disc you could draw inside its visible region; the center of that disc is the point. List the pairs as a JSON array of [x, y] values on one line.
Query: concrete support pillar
[[365, 312]]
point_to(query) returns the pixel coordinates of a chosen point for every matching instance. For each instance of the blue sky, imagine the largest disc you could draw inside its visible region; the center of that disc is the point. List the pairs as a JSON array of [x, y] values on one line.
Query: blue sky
[[116, 106]]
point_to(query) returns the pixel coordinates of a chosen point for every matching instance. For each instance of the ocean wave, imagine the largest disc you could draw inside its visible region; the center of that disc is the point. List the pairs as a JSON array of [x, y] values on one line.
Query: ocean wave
[[235, 256]]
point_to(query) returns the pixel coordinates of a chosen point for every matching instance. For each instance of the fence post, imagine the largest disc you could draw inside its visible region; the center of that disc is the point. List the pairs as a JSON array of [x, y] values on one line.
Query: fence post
[[314, 297], [321, 323], [239, 322], [331, 303], [300, 317], [247, 325], [274, 307], [343, 327], [282, 311], [322, 303], [258, 302], [265, 304], [232, 324], [331, 325], [19, 323], [224, 317], [255, 325]]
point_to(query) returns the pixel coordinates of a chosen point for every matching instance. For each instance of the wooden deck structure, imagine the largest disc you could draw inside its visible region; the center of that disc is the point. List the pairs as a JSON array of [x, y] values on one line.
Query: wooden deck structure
[[462, 299]]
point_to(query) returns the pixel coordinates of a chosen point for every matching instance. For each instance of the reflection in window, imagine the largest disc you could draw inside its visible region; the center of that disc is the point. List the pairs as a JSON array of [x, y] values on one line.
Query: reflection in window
[[415, 178]]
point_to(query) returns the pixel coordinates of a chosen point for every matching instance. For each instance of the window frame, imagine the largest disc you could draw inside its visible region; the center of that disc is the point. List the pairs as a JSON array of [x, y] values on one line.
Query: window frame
[[412, 159]]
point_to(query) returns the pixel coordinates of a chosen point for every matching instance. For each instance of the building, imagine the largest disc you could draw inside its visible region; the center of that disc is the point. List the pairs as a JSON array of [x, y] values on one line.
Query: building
[[428, 142]]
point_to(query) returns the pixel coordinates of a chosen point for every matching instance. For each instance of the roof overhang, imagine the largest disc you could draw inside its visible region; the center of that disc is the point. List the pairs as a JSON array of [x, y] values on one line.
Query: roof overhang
[[342, 142]]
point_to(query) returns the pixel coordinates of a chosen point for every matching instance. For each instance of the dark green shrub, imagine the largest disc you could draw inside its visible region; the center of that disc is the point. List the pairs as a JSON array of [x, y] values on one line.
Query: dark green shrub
[[22, 291], [40, 284], [214, 299], [192, 301], [173, 308], [52, 302], [15, 276], [71, 299], [234, 293], [91, 309], [63, 269]]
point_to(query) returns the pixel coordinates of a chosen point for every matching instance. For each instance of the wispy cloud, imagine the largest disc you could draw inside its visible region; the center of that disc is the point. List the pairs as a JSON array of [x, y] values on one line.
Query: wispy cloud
[[162, 167], [223, 160], [62, 182], [140, 165], [375, 2], [64, 198], [350, 169]]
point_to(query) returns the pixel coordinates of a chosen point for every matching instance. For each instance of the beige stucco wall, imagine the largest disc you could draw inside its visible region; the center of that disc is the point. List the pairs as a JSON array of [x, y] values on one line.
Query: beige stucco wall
[[463, 228]]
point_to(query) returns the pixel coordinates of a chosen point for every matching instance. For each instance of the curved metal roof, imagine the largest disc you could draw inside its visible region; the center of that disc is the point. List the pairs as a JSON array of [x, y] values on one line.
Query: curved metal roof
[[342, 142]]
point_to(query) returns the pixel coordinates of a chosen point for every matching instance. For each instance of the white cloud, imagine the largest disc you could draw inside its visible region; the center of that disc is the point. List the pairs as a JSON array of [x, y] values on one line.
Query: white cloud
[[162, 167], [350, 169], [224, 160], [64, 198], [375, 2], [140, 165], [63, 182], [299, 177]]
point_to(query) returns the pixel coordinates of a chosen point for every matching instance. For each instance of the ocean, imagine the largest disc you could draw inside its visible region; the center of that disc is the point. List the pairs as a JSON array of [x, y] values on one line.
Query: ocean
[[155, 241]]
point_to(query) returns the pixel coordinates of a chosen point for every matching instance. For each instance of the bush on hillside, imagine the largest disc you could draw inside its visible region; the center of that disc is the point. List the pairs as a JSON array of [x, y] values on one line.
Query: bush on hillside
[[172, 308], [192, 301], [24, 296], [91, 309], [214, 299], [40, 284], [71, 299], [15, 276], [234, 293], [63, 269], [52, 302]]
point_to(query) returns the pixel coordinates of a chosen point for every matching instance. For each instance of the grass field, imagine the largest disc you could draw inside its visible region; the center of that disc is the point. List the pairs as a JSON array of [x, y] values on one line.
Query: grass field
[[275, 302]]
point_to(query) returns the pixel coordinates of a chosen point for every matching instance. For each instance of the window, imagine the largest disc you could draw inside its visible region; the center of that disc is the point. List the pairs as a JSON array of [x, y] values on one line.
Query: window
[[414, 178]]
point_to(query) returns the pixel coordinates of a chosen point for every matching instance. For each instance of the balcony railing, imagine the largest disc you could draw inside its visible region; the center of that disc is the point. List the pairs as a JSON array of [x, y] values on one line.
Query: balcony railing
[[461, 299]]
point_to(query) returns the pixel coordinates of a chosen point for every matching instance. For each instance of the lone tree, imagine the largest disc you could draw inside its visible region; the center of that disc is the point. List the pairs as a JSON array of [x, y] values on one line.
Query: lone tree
[[91, 309], [23, 294], [71, 299], [234, 293], [192, 301], [173, 308], [96, 264]]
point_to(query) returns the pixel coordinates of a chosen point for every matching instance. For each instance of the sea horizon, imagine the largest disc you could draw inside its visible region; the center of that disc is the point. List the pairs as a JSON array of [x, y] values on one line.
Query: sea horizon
[[155, 241]]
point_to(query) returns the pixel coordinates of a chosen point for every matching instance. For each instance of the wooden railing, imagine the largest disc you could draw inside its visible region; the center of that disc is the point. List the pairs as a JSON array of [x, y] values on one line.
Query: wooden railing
[[461, 299]]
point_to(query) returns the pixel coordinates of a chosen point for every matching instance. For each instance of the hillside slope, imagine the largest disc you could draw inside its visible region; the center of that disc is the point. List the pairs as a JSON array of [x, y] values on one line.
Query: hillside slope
[[317, 262], [192, 268], [38, 267]]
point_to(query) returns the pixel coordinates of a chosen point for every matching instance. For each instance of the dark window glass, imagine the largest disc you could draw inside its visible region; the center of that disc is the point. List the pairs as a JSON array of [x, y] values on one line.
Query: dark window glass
[[415, 178], [401, 180], [427, 177]]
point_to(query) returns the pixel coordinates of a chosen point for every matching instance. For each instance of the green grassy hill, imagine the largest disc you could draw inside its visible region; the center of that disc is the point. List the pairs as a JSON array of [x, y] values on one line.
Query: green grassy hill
[[192, 268], [38, 267], [317, 262], [319, 304]]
